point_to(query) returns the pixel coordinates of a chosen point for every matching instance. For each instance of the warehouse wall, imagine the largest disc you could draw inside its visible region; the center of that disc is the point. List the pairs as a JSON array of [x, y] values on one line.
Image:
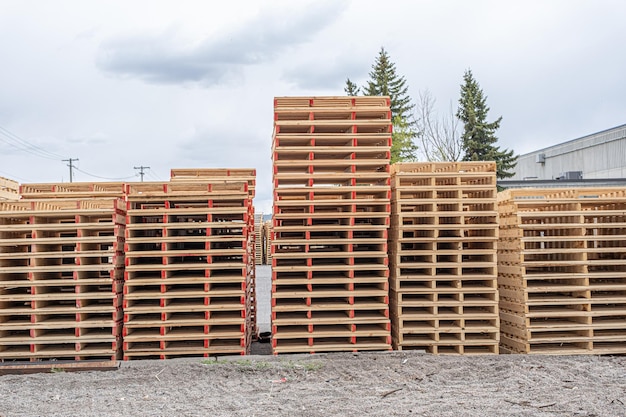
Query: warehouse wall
[[600, 155]]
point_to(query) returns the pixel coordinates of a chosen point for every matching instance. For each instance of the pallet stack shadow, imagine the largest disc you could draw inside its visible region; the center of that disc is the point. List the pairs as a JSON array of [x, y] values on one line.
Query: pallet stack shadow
[[443, 284], [189, 269], [562, 271], [61, 277], [330, 223]]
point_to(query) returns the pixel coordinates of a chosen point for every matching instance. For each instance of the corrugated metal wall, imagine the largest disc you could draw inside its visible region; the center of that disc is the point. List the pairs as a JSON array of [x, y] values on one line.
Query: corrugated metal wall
[[601, 155]]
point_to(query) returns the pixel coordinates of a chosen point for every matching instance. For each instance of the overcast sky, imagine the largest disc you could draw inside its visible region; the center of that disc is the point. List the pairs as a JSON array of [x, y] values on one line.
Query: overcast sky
[[187, 84]]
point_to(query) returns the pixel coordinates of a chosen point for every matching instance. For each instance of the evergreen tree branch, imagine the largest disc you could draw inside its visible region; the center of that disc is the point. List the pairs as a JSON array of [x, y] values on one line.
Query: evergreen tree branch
[[479, 140]]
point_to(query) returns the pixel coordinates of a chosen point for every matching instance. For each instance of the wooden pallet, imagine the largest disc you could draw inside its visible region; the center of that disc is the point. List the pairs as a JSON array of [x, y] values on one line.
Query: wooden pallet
[[442, 246], [61, 272], [215, 175], [331, 338], [561, 266], [72, 190], [163, 339]]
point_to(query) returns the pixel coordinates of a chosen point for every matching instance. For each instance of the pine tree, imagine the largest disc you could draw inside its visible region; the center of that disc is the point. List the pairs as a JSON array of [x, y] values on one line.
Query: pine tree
[[351, 88], [403, 147], [479, 137], [384, 81]]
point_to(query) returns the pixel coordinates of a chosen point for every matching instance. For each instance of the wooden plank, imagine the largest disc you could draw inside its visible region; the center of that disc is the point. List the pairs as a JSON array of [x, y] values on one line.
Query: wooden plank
[[56, 283], [17, 368], [138, 323], [330, 102], [214, 333], [199, 266], [56, 323], [141, 293], [75, 296], [57, 268], [185, 253], [51, 311], [429, 168], [52, 339], [187, 307]]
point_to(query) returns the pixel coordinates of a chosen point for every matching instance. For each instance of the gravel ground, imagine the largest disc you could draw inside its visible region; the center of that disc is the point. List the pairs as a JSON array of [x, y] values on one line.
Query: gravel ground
[[345, 384], [338, 384]]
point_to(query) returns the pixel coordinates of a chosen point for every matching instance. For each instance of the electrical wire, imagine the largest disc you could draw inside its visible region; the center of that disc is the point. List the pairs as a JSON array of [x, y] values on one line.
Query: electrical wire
[[28, 144], [153, 176], [21, 144], [12, 176], [16, 142], [103, 178]]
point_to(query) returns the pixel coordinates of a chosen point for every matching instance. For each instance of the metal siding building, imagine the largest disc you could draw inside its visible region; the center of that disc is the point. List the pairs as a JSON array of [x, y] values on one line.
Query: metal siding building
[[600, 155]]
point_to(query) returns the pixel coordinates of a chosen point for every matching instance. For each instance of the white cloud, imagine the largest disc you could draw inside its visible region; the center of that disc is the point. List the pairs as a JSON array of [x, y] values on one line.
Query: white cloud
[[170, 57]]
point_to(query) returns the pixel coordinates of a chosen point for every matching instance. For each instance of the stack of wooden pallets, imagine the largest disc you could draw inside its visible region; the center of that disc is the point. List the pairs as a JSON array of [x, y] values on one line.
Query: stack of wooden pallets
[[267, 242], [562, 270], [188, 281], [9, 189], [229, 176], [61, 276], [258, 239], [443, 239], [331, 217]]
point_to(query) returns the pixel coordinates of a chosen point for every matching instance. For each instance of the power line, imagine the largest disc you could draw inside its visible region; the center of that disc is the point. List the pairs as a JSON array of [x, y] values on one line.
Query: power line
[[21, 144], [103, 178], [12, 176], [153, 176], [71, 166], [29, 151], [141, 169], [18, 143], [26, 144]]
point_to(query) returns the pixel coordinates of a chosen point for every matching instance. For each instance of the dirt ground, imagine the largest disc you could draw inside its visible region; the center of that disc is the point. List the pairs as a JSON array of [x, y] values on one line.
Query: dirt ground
[[337, 384]]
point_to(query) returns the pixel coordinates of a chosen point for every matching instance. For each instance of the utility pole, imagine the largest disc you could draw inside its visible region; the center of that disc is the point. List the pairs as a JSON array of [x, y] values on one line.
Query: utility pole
[[141, 169], [71, 166]]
